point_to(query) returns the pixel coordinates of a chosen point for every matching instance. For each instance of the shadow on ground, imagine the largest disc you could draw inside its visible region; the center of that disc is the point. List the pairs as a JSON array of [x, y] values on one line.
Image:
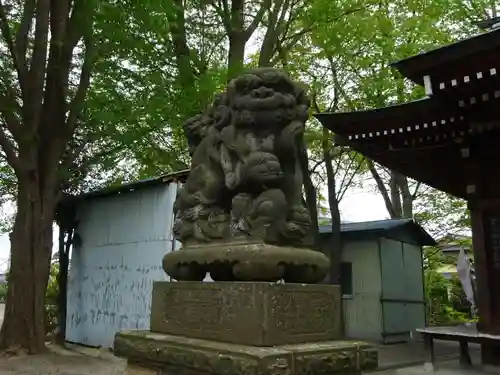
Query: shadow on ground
[[413, 353], [442, 368]]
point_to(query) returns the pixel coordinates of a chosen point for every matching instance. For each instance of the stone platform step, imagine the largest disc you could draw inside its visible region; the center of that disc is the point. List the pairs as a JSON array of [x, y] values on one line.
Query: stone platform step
[[161, 354]]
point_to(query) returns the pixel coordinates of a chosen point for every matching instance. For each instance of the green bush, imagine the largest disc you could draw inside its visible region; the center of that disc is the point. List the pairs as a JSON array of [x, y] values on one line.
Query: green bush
[[445, 299], [51, 311], [458, 299], [3, 292]]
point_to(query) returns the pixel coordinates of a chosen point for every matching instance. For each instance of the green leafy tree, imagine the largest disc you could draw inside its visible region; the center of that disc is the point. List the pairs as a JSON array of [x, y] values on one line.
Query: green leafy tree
[[442, 214], [63, 132], [47, 56]]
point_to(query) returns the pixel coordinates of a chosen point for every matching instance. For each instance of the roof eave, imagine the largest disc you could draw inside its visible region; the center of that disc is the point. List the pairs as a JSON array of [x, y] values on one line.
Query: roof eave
[[415, 67], [425, 238]]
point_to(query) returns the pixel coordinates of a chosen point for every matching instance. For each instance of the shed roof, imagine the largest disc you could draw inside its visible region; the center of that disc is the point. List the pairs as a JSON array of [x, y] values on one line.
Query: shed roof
[[131, 186], [385, 228]]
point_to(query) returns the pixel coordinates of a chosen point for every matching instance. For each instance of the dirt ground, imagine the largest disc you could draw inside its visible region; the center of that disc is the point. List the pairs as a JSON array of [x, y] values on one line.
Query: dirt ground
[[64, 361], [78, 360], [72, 360]]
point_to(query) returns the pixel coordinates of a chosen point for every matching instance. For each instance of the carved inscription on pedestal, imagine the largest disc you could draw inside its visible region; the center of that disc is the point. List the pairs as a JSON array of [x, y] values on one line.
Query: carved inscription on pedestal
[[298, 313], [195, 309], [261, 314], [239, 300]]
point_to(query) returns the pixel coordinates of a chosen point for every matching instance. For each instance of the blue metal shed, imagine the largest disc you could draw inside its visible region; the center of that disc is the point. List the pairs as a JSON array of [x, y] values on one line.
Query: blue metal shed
[[382, 278]]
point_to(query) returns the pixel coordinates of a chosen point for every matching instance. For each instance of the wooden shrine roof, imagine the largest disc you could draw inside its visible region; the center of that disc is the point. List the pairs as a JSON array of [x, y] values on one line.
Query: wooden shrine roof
[[478, 54], [425, 118], [423, 139], [427, 139], [488, 24]]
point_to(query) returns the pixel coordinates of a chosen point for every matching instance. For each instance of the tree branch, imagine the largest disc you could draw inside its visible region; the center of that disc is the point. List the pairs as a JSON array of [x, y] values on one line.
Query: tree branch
[[347, 176], [381, 187], [343, 189], [73, 27], [79, 99], [271, 36], [294, 38], [22, 37], [257, 19], [415, 192], [38, 63], [225, 8], [7, 36], [223, 12], [316, 165], [9, 107], [10, 151]]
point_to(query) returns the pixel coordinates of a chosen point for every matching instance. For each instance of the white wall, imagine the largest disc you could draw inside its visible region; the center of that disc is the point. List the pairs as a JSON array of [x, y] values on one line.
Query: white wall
[[124, 238], [362, 311]]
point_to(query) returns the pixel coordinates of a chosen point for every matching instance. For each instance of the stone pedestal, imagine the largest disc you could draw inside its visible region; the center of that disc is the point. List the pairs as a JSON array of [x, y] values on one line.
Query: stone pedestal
[[160, 354], [249, 313], [244, 328]]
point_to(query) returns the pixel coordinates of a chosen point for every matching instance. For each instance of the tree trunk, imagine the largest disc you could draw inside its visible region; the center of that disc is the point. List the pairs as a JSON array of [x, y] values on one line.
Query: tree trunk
[[274, 26], [31, 248], [237, 39], [407, 197], [382, 189], [181, 49], [397, 206], [335, 243], [62, 281], [236, 55], [397, 196], [310, 193]]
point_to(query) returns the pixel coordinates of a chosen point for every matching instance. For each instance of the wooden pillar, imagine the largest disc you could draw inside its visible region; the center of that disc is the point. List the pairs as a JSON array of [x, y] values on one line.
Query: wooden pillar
[[486, 246]]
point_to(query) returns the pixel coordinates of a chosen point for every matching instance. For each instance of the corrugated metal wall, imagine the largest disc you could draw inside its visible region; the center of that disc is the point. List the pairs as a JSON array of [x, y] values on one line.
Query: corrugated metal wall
[[362, 310], [124, 238], [402, 297]]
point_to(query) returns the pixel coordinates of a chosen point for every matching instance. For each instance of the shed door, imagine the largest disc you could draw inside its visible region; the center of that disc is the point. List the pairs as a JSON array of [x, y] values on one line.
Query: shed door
[[402, 298]]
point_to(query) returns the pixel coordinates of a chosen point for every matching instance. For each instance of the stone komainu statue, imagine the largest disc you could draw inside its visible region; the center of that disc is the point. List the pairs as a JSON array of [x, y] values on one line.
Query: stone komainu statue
[[245, 184], [245, 178]]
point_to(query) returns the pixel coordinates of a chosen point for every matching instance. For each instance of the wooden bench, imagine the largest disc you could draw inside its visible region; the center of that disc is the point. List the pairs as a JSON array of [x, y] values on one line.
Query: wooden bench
[[463, 334]]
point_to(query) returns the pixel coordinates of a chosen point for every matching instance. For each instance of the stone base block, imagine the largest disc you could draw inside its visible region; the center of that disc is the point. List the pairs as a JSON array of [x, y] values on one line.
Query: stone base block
[[159, 354], [249, 313], [246, 261]]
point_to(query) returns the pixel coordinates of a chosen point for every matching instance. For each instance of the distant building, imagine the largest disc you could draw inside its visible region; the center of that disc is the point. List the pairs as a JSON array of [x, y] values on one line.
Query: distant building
[[450, 246]]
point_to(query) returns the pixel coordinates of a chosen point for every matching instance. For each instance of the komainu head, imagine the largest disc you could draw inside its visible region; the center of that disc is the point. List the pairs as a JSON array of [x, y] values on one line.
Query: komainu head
[[265, 99]]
